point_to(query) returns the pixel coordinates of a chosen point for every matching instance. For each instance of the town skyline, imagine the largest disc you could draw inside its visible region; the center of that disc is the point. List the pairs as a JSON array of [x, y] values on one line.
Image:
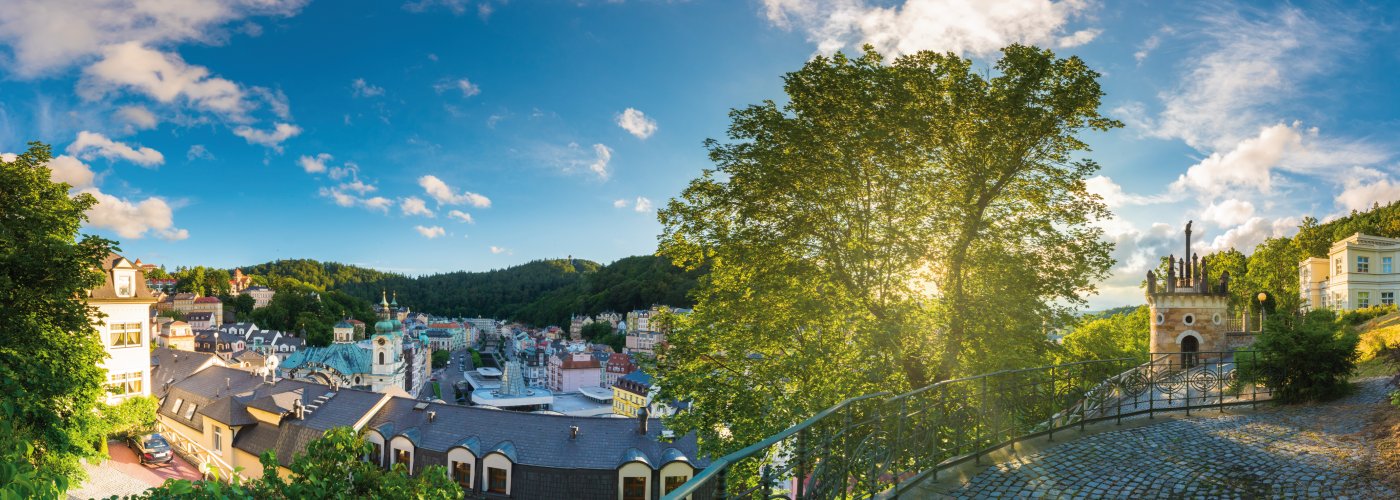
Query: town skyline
[[539, 131]]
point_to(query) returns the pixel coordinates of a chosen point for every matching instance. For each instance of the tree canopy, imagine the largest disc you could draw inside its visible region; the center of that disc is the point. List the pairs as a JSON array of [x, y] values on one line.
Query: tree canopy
[[901, 222], [50, 384]]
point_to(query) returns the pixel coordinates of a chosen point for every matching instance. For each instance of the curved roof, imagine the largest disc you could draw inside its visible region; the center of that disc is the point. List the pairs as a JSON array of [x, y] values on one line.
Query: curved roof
[[506, 448], [411, 434], [345, 358], [471, 443], [633, 455], [673, 455]]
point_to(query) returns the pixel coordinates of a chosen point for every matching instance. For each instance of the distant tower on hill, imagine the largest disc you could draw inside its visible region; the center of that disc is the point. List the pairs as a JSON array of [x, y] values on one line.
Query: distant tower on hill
[[1189, 311]]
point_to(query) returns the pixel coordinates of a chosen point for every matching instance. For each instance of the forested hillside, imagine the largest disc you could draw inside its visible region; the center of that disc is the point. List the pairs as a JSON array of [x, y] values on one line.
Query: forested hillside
[[539, 292]]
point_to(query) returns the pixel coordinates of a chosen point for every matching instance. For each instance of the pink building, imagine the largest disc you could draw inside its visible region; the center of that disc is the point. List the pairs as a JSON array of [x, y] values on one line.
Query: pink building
[[570, 371]]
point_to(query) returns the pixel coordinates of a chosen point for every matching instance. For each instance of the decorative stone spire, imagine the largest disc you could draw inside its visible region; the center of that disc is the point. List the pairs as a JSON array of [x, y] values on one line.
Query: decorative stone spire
[[512, 382]]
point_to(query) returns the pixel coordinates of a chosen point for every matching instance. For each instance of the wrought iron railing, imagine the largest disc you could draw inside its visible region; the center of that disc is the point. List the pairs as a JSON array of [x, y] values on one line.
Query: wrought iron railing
[[883, 445]]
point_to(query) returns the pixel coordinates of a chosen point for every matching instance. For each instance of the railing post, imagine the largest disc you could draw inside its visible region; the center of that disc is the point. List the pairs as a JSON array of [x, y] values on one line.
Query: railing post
[[1187, 379], [765, 474], [722, 489], [1151, 385], [801, 463], [1084, 407], [1220, 381], [1054, 402], [898, 443], [846, 455], [981, 421]]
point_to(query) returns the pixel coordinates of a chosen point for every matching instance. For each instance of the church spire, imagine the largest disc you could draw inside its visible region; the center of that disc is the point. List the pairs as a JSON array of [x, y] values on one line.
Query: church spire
[[395, 303]]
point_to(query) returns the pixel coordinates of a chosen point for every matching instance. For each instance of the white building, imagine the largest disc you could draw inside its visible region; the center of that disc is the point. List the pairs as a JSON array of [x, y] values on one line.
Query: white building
[[1358, 272], [124, 327]]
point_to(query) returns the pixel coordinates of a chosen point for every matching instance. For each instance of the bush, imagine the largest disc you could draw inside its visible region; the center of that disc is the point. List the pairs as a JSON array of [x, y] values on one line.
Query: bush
[[1359, 316], [476, 359], [1307, 358]]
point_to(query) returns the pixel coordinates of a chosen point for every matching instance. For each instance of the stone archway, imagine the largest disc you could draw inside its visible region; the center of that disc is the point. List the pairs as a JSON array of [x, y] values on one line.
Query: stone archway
[[1190, 345]]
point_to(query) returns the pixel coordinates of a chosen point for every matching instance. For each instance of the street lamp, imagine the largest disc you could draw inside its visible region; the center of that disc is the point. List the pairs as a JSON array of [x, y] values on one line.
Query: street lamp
[[1262, 297]]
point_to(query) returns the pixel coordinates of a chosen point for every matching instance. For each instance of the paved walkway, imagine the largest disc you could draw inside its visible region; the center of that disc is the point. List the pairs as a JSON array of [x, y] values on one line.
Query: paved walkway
[[1285, 451], [123, 475]]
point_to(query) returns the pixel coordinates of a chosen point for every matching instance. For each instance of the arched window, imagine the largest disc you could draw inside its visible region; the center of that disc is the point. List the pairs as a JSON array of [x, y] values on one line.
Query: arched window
[[381, 357]]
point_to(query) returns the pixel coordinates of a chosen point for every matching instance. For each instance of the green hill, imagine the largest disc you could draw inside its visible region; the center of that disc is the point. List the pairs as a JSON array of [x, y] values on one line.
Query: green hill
[[540, 292]]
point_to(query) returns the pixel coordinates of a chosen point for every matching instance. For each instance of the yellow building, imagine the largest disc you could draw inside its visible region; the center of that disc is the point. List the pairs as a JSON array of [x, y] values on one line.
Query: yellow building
[[1358, 272], [631, 393]]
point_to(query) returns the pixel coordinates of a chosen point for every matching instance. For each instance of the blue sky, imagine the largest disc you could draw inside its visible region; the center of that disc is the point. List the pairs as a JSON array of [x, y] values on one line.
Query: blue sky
[[442, 135]]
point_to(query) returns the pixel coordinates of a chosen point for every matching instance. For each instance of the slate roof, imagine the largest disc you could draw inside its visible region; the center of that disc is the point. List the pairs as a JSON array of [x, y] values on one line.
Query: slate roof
[[535, 439], [343, 408], [199, 316], [344, 358], [171, 366], [204, 388]]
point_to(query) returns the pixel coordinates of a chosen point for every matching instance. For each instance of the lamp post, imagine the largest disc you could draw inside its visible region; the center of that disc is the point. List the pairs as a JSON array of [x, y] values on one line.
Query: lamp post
[[1262, 297]]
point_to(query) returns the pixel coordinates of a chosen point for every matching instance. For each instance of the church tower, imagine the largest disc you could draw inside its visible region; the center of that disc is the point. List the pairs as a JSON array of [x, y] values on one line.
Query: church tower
[[1189, 312], [384, 356]]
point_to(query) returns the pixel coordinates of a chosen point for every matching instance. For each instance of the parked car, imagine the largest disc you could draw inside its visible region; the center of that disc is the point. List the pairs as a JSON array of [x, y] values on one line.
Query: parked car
[[151, 448]]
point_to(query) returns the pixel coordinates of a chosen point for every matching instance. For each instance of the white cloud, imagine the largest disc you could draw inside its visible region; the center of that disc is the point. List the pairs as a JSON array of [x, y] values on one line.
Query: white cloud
[[198, 152], [314, 164], [1248, 164], [414, 205], [276, 101], [134, 220], [431, 232], [643, 204], [1231, 212], [445, 195], [361, 89], [463, 85], [345, 199], [8, 157], [976, 27], [68, 169], [1250, 234], [272, 138], [92, 144], [163, 77], [636, 123], [620, 203], [1365, 188], [358, 187], [600, 164], [498, 250], [457, 7], [462, 216], [1248, 69], [48, 35], [138, 117], [1114, 196]]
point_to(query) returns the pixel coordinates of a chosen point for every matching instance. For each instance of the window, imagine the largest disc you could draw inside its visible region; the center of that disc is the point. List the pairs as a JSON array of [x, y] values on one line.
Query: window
[[125, 334], [1363, 264], [496, 480], [634, 488], [218, 439], [405, 457], [673, 482], [375, 454], [189, 411], [124, 286], [176, 407], [1363, 299], [1339, 266], [381, 358], [1189, 319], [124, 383], [462, 473], [1385, 264], [1388, 298]]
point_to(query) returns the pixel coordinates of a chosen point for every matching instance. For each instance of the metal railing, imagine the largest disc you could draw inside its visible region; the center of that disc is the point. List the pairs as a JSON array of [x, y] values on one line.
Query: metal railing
[[882, 445]]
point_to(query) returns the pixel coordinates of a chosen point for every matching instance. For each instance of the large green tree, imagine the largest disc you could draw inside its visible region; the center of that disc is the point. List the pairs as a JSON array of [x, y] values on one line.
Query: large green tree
[[50, 385], [888, 226]]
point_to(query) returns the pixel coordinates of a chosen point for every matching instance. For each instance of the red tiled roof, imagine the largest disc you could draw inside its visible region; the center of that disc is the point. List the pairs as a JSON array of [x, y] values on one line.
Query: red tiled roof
[[206, 300]]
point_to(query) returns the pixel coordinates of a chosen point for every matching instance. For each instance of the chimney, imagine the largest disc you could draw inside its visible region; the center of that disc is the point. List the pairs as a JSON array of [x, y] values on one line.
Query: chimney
[[643, 417], [228, 382], [573, 432], [432, 415], [298, 411]]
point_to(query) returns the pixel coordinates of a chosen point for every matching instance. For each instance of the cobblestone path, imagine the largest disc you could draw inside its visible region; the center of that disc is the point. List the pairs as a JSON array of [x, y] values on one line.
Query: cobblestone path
[[1286, 451]]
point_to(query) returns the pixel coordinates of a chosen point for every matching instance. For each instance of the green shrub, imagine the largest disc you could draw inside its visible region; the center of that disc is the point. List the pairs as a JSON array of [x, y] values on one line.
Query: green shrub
[[1359, 316], [1306, 358]]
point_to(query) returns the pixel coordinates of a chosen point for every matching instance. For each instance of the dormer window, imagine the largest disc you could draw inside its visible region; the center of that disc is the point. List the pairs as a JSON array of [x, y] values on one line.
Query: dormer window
[[124, 287]]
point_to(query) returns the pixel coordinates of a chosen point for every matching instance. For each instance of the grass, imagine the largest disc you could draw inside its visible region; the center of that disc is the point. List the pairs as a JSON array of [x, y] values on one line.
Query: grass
[[437, 390], [1375, 334]]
